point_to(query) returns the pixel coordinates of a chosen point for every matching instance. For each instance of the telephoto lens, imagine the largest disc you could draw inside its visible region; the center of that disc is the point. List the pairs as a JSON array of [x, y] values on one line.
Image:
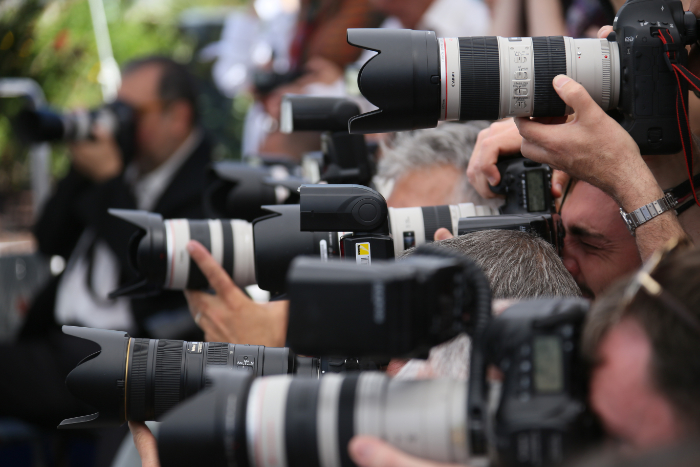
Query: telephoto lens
[[418, 79], [304, 422], [411, 227], [158, 252], [132, 379]]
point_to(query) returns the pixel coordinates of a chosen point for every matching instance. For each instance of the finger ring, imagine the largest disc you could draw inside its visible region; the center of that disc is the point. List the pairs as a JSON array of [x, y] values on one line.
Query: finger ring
[[197, 318]]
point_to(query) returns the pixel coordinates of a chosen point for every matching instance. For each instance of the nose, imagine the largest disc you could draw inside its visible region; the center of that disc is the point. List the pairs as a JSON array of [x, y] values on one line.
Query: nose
[[570, 263]]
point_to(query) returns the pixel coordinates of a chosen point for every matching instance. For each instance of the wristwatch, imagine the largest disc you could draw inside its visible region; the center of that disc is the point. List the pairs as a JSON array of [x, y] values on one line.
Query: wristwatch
[[647, 212]]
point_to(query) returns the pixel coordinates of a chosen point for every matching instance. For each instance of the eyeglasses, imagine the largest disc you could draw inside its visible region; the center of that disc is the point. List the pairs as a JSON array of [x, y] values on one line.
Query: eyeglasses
[[643, 281]]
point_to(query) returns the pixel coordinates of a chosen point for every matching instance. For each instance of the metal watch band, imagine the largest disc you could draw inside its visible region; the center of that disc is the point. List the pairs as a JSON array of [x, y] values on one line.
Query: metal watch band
[[647, 212]]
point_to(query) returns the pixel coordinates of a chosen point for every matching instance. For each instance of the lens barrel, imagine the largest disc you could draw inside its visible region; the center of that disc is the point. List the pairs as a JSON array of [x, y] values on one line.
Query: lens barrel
[[476, 78], [147, 377], [301, 421]]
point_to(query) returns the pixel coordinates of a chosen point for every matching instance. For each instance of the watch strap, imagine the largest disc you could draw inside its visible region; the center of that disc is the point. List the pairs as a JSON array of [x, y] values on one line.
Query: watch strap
[[647, 212]]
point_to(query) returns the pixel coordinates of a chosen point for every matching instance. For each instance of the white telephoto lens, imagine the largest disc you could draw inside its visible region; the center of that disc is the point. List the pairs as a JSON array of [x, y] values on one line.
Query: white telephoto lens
[[243, 253], [523, 69], [177, 234], [265, 421]]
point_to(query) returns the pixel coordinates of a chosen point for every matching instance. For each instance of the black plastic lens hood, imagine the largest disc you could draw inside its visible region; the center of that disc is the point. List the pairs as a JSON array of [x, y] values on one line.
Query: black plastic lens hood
[[209, 429], [147, 253], [99, 379], [403, 80]]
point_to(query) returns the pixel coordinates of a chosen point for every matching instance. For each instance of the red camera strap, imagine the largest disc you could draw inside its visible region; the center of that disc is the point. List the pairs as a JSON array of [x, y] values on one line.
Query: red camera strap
[[681, 106]]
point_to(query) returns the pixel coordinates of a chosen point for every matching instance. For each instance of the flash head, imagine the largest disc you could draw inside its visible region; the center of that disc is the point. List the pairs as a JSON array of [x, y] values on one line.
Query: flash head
[[403, 80], [304, 113], [342, 208]]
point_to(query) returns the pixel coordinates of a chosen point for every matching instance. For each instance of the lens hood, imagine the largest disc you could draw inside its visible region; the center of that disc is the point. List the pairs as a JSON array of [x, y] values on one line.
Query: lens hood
[[209, 429], [403, 80], [99, 379], [147, 253]]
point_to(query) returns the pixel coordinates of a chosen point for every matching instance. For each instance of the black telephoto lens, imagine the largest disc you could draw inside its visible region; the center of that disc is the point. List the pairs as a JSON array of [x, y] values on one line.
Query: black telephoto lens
[[141, 379]]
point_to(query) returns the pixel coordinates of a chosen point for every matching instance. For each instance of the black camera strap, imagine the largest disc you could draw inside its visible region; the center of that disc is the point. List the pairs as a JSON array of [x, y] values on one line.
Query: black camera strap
[[683, 78]]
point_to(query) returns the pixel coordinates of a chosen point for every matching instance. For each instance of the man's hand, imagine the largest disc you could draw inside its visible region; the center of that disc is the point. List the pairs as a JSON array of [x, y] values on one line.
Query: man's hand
[[98, 160], [500, 139], [372, 452], [145, 444], [230, 315], [596, 149]]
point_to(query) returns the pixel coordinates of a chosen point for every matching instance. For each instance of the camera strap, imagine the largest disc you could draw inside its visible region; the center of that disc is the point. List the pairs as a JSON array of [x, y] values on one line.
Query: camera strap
[[683, 78]]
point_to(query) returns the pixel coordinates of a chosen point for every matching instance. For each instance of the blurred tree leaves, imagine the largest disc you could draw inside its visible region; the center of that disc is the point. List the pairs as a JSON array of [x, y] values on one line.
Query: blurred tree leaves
[[53, 43]]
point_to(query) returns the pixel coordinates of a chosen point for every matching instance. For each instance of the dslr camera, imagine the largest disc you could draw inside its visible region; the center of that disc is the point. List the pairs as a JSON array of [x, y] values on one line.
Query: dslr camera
[[541, 415], [45, 125], [239, 191], [417, 79]]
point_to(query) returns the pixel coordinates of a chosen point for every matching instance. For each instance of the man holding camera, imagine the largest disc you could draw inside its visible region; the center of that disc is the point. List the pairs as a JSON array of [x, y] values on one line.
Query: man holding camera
[[166, 174]]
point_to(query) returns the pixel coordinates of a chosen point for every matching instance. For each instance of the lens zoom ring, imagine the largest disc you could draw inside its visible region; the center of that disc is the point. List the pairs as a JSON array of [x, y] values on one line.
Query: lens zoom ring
[[137, 381], [481, 78], [549, 54], [168, 370], [435, 217]]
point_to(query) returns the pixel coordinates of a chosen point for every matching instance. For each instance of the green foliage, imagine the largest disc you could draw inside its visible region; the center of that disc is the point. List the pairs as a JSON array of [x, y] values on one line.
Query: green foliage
[[53, 43]]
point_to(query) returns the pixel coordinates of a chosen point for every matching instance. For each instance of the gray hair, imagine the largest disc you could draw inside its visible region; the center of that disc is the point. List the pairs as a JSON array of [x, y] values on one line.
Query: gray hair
[[448, 144], [517, 264]]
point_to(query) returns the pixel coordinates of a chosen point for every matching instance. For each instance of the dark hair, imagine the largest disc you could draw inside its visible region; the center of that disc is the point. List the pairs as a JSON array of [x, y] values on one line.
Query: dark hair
[[517, 264], [176, 81], [675, 362]]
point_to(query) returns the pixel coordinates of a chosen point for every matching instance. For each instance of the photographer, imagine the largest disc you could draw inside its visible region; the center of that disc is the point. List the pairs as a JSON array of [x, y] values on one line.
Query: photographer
[[642, 339], [166, 174], [427, 167], [592, 147]]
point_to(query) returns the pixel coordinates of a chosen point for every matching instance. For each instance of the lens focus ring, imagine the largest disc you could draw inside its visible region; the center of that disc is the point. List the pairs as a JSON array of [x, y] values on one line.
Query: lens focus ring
[[481, 78]]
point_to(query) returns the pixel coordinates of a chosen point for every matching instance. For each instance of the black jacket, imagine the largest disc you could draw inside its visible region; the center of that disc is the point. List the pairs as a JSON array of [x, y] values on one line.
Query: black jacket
[[79, 203]]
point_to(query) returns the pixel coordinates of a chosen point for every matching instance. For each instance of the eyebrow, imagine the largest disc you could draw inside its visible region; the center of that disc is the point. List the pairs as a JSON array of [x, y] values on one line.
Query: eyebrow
[[583, 232]]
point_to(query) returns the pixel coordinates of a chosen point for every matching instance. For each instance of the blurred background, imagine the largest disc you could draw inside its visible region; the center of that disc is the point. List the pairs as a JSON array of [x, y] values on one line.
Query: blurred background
[[54, 44]]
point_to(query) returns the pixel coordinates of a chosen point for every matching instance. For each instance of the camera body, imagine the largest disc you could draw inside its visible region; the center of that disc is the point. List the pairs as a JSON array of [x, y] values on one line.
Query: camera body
[[543, 416], [527, 186], [116, 118], [648, 85], [547, 226]]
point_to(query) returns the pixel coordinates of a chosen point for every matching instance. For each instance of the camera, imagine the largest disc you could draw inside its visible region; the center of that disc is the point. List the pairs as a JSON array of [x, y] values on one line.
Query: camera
[[417, 79], [399, 308], [141, 379], [541, 416], [345, 158], [527, 186], [117, 118], [239, 191], [547, 226]]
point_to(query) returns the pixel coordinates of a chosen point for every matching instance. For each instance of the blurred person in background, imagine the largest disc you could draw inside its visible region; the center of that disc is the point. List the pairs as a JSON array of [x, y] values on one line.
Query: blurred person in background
[[428, 168], [166, 175], [303, 56]]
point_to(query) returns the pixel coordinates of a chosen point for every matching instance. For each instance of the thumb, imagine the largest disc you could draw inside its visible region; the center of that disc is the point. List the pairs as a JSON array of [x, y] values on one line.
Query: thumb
[[442, 234], [573, 94]]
